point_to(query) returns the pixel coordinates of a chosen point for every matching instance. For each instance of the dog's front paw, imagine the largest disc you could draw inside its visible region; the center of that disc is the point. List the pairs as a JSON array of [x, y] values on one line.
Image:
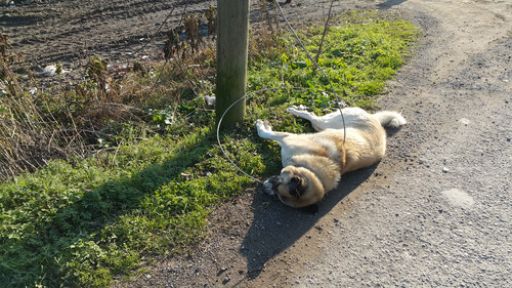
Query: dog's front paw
[[263, 125], [260, 124]]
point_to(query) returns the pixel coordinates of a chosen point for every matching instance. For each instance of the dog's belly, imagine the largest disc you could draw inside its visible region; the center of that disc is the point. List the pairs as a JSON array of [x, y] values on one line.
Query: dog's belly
[[364, 148], [320, 144]]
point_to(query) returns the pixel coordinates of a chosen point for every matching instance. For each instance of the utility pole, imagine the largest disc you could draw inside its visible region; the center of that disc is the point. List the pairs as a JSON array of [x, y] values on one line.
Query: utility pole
[[232, 46]]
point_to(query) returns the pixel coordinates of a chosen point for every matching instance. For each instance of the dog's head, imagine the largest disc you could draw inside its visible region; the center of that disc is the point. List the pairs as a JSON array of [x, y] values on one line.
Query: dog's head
[[295, 186]]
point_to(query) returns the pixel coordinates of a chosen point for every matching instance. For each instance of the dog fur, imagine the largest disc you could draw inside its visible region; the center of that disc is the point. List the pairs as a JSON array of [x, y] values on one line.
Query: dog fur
[[313, 163]]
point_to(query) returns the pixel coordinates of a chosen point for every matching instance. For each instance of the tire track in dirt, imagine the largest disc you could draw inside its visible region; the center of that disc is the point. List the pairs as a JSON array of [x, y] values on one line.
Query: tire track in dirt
[[64, 31], [68, 31]]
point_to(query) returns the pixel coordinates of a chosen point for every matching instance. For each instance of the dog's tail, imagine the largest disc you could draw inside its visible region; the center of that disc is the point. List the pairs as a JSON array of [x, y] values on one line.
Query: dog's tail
[[390, 119]]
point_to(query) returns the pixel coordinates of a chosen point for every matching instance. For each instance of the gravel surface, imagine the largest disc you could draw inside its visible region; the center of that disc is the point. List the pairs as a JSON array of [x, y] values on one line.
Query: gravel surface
[[437, 212]]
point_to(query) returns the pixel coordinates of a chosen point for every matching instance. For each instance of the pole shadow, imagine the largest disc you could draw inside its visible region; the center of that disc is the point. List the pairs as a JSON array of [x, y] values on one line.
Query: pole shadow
[[276, 226]]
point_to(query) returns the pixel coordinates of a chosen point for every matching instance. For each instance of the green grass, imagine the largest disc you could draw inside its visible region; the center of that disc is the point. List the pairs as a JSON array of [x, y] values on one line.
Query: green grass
[[356, 60], [80, 223]]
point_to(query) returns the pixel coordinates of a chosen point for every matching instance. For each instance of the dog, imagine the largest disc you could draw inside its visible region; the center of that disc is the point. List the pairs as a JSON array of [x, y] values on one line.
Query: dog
[[314, 162]]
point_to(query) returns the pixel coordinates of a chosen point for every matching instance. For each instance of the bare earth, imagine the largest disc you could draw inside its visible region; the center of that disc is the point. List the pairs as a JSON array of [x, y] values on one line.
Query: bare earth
[[45, 32], [437, 212]]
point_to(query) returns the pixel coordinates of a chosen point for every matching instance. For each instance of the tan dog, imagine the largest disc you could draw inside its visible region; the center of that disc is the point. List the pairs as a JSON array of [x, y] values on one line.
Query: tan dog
[[313, 163]]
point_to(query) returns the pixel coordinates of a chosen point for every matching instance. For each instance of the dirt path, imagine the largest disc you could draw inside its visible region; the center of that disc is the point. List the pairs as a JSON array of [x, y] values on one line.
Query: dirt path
[[437, 212], [411, 224]]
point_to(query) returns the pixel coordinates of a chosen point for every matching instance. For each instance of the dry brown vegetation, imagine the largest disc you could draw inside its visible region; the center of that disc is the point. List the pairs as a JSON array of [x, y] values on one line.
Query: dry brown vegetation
[[112, 103], [66, 121]]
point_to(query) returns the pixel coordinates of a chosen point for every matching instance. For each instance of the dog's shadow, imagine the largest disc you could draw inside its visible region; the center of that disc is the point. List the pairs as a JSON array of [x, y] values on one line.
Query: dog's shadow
[[276, 227]]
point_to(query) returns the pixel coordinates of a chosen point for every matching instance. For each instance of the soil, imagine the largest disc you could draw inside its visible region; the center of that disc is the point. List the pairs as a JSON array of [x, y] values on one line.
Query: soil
[[69, 31], [437, 211]]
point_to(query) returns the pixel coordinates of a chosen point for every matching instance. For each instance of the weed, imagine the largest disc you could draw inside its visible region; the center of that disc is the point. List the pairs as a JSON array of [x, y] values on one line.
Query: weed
[[211, 17]]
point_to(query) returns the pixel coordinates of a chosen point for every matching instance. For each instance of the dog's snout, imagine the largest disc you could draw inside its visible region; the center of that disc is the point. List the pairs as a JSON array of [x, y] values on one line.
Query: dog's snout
[[274, 180], [270, 185]]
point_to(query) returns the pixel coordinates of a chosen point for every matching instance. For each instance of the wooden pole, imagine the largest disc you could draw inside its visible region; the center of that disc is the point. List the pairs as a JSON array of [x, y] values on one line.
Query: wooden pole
[[232, 46]]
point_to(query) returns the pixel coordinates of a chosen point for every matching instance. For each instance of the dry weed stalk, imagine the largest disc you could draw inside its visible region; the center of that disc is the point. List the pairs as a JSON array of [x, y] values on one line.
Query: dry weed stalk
[[192, 23], [211, 17], [66, 122]]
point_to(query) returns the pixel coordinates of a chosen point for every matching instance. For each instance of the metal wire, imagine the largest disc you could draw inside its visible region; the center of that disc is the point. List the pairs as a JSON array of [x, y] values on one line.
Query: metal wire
[[222, 147], [251, 94], [221, 119], [219, 124], [299, 41]]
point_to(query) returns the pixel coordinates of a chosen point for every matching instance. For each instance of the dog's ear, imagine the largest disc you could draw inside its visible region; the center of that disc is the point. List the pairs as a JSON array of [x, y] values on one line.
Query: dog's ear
[[296, 186]]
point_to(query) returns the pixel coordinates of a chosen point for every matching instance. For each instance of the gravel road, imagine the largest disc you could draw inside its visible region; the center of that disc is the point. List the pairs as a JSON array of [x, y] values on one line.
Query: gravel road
[[437, 212]]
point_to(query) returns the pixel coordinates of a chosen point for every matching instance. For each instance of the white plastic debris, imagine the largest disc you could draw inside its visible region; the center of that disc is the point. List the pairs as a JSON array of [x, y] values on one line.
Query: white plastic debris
[[50, 70], [210, 100]]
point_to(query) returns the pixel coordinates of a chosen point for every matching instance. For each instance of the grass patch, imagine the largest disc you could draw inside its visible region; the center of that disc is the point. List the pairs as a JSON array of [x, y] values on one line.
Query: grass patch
[[357, 58], [82, 223]]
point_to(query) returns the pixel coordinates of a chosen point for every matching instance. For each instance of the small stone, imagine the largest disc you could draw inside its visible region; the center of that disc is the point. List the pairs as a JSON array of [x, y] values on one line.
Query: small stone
[[446, 170], [222, 270], [147, 276], [464, 121], [226, 280]]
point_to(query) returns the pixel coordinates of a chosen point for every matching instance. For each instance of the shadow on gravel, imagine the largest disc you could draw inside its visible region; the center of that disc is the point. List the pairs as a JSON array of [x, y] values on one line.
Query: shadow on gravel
[[389, 4], [276, 227]]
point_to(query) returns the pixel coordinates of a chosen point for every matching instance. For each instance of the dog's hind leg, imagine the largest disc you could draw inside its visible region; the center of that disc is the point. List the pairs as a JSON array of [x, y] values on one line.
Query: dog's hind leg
[[319, 123], [295, 111], [265, 132]]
